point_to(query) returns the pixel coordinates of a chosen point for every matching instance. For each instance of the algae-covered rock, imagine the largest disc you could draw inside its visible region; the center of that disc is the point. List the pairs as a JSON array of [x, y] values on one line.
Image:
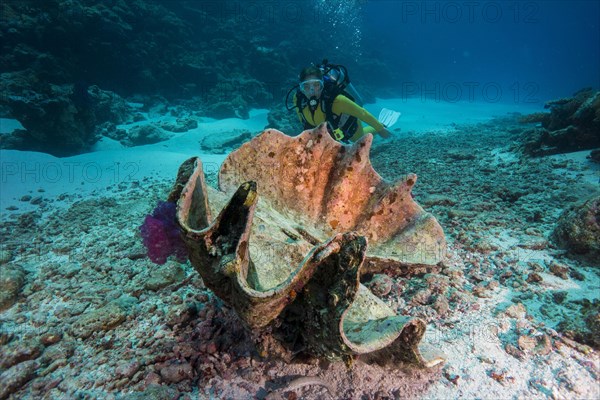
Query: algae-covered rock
[[17, 376], [101, 319], [12, 277], [18, 351], [224, 142], [176, 372], [145, 134], [380, 285], [595, 156], [583, 325], [180, 125], [5, 256], [592, 323], [164, 276], [153, 392], [578, 230]]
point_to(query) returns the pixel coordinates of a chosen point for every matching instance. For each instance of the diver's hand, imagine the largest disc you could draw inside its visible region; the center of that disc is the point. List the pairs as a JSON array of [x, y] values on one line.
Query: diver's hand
[[384, 133]]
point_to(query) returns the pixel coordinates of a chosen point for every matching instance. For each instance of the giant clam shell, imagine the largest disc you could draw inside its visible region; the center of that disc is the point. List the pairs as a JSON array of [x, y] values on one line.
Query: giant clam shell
[[296, 254]]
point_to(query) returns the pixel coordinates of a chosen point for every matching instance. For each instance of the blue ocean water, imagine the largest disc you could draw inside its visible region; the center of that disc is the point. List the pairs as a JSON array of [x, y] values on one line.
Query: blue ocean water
[[509, 51], [500, 51]]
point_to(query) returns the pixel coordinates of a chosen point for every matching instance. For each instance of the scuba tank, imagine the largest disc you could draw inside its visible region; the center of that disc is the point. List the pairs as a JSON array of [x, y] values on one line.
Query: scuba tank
[[338, 76]]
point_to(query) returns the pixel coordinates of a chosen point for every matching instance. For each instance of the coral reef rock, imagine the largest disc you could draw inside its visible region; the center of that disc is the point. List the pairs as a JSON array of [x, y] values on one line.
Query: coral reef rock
[[296, 255], [224, 142], [145, 134], [578, 230], [595, 156], [571, 125], [63, 120], [281, 119]]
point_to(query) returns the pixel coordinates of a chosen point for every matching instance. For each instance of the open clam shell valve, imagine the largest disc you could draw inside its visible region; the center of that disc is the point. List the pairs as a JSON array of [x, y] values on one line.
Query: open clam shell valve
[[297, 253]]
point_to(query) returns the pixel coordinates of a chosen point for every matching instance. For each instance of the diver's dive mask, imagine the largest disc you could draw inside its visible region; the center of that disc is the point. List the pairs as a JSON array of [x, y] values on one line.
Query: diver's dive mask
[[312, 87]]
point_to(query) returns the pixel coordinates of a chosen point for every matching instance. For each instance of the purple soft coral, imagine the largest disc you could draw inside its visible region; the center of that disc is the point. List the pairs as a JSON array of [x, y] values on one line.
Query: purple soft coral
[[161, 234]]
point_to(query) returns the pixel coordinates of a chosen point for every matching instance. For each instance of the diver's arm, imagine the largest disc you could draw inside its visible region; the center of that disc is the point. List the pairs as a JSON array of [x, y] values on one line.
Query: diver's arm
[[343, 105], [298, 110]]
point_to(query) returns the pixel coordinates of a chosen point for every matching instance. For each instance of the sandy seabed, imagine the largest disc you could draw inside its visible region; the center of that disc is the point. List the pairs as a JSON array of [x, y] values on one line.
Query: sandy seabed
[[94, 318]]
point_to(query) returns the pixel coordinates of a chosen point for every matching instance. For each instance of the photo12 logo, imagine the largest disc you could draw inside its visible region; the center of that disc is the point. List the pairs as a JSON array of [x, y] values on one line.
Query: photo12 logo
[[256, 12], [471, 12], [54, 172], [471, 91]]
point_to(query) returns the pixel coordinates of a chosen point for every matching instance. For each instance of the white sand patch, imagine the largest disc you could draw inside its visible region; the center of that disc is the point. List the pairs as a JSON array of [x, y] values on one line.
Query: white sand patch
[[502, 156], [438, 116], [33, 174], [577, 165], [477, 355], [38, 174]]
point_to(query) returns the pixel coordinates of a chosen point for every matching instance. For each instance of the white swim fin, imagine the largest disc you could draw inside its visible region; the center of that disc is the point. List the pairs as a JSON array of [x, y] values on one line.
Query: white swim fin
[[388, 117]]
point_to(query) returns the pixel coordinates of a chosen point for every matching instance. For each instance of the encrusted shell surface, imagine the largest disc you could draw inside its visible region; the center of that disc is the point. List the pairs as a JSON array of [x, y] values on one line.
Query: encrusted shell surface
[[281, 257], [333, 188]]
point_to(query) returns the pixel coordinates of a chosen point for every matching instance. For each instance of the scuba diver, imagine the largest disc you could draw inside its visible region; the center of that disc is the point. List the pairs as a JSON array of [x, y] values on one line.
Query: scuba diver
[[325, 94]]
